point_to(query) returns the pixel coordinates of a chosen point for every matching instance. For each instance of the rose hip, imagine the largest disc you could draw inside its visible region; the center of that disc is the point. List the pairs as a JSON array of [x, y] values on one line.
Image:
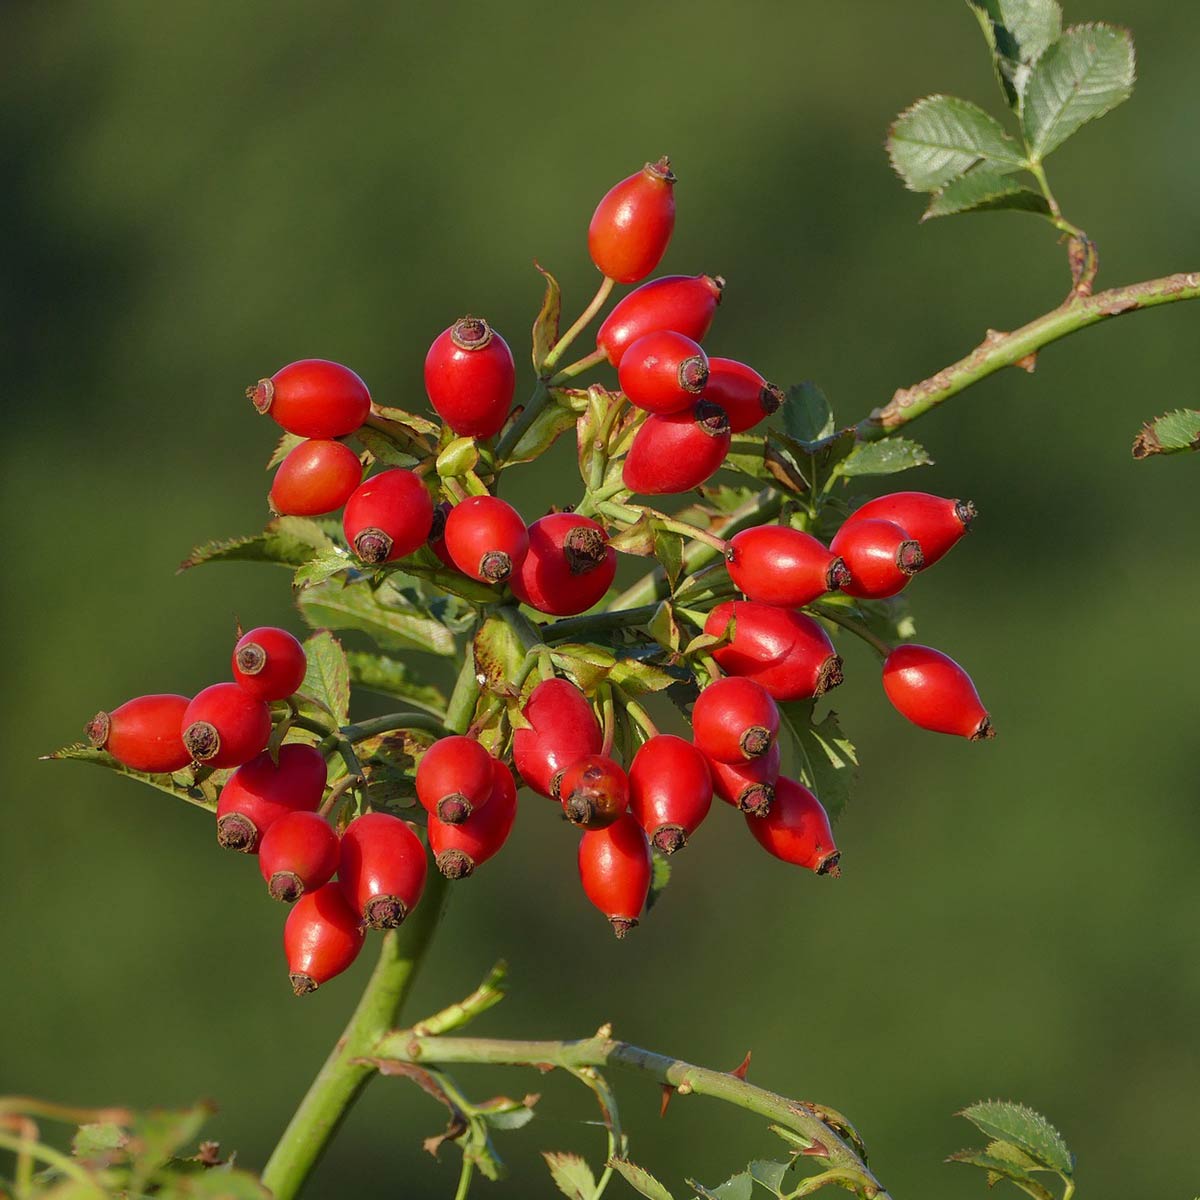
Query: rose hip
[[934, 692], [684, 303], [317, 477], [382, 869], [297, 854], [749, 786], [269, 663], [261, 792], [321, 938], [796, 829], [224, 726], [675, 452], [632, 225], [454, 778], [735, 720], [486, 538], [459, 849], [594, 791], [775, 564], [935, 523], [670, 790], [663, 372], [742, 392], [568, 568], [144, 733], [615, 869], [388, 516], [880, 557], [314, 398], [470, 378], [562, 730]]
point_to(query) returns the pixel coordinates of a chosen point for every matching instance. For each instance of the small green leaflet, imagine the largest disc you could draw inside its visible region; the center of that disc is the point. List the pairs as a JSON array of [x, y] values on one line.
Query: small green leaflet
[[639, 1179], [1169, 434], [885, 457], [984, 190], [572, 1176], [828, 762], [1001, 1167], [1018, 33], [285, 446], [807, 413], [327, 679], [202, 794], [356, 606], [740, 1187], [1025, 1128], [288, 541], [660, 877]]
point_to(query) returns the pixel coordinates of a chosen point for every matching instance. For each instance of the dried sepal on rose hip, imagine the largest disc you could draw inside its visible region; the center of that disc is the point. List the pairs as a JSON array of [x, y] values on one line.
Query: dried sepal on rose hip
[[615, 868], [632, 224], [742, 392], [313, 398], [321, 938], [261, 792], [225, 726], [486, 538], [683, 303], [144, 733], [935, 693], [670, 790], [388, 516], [460, 849], [382, 869], [269, 663], [797, 830], [470, 378], [568, 568]]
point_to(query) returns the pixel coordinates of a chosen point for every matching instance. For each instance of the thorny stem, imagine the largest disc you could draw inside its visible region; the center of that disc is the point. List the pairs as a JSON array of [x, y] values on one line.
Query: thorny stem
[[855, 627], [585, 318]]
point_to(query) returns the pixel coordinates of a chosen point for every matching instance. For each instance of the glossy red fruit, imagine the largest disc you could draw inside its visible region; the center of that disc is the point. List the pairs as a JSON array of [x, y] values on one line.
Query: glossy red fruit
[[569, 566], [594, 792], [742, 392], [797, 829], [880, 557], [388, 516], [321, 938], [663, 372], [778, 565], [382, 869], [735, 720], [454, 778], [144, 733], [314, 398], [298, 854], [632, 225], [932, 521], [785, 651], [562, 730], [269, 663], [934, 692], [459, 849], [486, 538], [224, 726], [677, 451], [260, 793], [615, 867], [684, 303], [470, 378], [670, 790], [317, 477], [749, 786]]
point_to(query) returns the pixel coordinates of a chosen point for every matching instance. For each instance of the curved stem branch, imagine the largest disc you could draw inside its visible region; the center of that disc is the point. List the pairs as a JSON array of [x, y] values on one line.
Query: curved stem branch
[[570, 628], [859, 630], [585, 318]]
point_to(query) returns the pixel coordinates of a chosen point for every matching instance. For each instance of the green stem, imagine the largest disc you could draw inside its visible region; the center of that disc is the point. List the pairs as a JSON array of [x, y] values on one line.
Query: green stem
[[640, 716], [52, 1158], [585, 318], [572, 628], [998, 351], [454, 1016], [823, 1142], [461, 706], [861, 631], [586, 363], [533, 406], [373, 726], [464, 1180]]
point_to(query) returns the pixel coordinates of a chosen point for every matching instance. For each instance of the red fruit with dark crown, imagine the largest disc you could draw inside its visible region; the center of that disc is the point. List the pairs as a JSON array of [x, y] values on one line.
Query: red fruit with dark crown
[[569, 566], [260, 793], [224, 726], [486, 538], [381, 869], [670, 790], [934, 522], [785, 651], [594, 792], [934, 692], [298, 854], [796, 829], [675, 452], [388, 516], [742, 392], [775, 564], [880, 557], [321, 938], [470, 378], [314, 398], [749, 786], [663, 372], [317, 477], [269, 663], [615, 868], [735, 720], [684, 303], [632, 225], [454, 778], [459, 849], [562, 730], [144, 733]]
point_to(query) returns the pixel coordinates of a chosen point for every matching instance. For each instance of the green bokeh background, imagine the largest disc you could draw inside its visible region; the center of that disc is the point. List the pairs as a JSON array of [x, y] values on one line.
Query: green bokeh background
[[195, 194]]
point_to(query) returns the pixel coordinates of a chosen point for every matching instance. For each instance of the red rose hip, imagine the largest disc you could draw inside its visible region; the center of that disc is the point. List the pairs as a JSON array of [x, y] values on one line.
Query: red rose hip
[[796, 829], [663, 372], [742, 392], [632, 225], [775, 564], [269, 663], [470, 378], [675, 452], [459, 849], [562, 730], [297, 854], [934, 692], [880, 557], [594, 791], [934, 522], [486, 538], [684, 303], [454, 778], [259, 793], [615, 868], [314, 398], [382, 869], [317, 477], [224, 726], [321, 938], [735, 720], [670, 790], [388, 516], [568, 568], [144, 733], [748, 786]]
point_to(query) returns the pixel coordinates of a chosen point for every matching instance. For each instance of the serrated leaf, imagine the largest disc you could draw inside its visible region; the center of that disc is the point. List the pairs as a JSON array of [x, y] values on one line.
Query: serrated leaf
[[807, 413], [327, 678], [769, 1174], [1171, 433], [155, 1136], [585, 665], [572, 1176], [99, 1143], [668, 549], [283, 448], [203, 794], [1001, 1168], [885, 457], [740, 1187], [942, 137], [984, 190], [660, 876], [391, 677], [357, 606], [287, 541], [545, 326], [639, 1179], [1018, 33], [1025, 1128], [1086, 73], [385, 449], [890, 619], [325, 565], [828, 761]]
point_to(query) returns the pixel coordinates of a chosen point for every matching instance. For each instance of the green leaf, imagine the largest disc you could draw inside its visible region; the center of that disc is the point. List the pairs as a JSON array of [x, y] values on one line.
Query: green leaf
[[288, 541], [201, 792], [740, 1187], [828, 761], [1002, 1168], [638, 538], [397, 626], [545, 326], [215, 1183], [885, 457], [942, 137], [1018, 33], [807, 413], [548, 426], [325, 565], [890, 619], [155, 1136], [637, 678], [457, 458], [285, 446], [1169, 434], [639, 1179], [386, 449], [770, 1174], [327, 679], [985, 190], [668, 549], [1025, 1128], [572, 1176], [408, 425], [391, 677], [585, 665], [659, 878], [99, 1143], [1085, 74], [665, 629], [499, 653]]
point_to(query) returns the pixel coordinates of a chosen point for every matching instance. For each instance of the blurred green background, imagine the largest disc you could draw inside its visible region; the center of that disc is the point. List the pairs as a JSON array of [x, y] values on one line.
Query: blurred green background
[[196, 194]]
